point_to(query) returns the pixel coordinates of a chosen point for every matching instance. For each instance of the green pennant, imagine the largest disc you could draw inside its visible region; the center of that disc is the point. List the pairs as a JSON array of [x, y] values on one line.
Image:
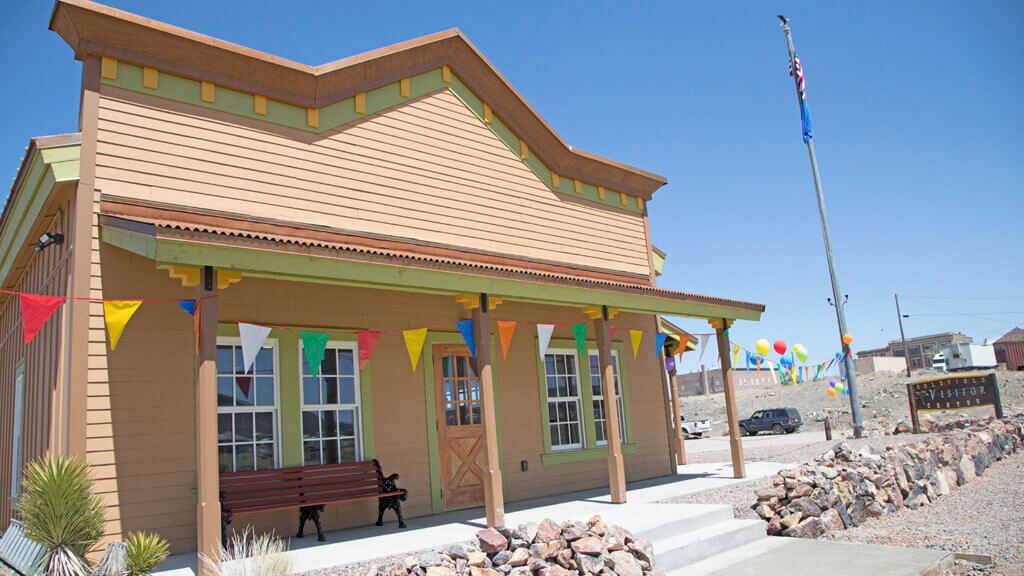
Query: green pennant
[[579, 332], [314, 344]]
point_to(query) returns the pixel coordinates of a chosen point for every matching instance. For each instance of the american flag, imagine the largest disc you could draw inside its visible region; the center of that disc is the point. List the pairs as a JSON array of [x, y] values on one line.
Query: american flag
[[799, 77], [805, 116]]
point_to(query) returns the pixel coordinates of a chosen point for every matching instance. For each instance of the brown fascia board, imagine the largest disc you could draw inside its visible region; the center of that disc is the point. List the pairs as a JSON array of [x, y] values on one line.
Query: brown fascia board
[[90, 28]]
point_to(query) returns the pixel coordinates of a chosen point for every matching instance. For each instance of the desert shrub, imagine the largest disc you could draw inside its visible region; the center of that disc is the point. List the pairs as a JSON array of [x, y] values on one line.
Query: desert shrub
[[144, 552], [250, 555]]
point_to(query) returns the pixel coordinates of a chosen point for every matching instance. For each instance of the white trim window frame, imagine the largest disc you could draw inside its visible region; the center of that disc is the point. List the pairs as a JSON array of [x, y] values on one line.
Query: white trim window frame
[[564, 400], [253, 420], [332, 420], [18, 422], [597, 393]]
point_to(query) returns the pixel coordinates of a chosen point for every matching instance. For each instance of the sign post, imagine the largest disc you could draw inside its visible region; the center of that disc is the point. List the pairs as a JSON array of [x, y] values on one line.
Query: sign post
[[953, 393]]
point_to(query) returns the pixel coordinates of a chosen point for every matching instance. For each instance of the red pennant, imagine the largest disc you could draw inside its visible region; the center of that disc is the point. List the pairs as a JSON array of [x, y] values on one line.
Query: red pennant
[[614, 328], [244, 383], [36, 309], [367, 342]]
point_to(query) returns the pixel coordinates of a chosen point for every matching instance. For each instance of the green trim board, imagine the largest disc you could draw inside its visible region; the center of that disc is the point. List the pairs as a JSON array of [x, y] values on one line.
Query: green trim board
[[342, 112], [430, 406], [326, 270], [47, 167], [590, 449], [290, 386]]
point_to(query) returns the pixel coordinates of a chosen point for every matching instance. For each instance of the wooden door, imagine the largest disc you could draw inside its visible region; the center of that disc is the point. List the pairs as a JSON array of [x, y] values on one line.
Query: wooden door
[[460, 433]]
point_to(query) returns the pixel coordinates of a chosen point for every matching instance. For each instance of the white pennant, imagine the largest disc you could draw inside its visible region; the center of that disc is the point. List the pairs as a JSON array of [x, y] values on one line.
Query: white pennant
[[544, 337], [771, 370], [252, 340], [703, 345]]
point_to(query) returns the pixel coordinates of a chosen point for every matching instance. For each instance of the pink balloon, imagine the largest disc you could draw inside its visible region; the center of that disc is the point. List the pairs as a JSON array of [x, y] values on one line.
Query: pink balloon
[[780, 347]]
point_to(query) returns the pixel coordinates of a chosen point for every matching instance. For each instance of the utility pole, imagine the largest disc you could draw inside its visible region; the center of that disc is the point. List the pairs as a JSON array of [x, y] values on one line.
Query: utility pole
[[851, 378], [906, 354]]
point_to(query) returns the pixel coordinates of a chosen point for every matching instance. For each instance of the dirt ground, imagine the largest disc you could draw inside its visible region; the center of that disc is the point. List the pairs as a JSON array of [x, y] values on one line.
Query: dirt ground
[[881, 394]]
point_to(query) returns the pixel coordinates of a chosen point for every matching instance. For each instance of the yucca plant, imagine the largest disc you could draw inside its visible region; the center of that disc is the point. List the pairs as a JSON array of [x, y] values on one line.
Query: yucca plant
[[61, 513], [144, 552], [249, 555]]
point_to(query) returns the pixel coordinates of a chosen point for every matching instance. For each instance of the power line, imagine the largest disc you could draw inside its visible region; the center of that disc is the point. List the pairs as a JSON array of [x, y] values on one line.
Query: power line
[[966, 313]]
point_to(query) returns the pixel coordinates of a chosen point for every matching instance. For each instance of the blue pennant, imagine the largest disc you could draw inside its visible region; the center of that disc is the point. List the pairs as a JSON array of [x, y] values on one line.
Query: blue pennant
[[466, 327], [188, 306]]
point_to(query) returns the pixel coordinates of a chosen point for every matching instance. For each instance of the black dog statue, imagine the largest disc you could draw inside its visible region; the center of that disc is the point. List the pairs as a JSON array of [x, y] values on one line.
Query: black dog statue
[[393, 502], [311, 513]]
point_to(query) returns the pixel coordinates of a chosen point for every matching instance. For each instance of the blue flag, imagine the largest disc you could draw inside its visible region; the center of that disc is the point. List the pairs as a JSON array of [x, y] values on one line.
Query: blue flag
[[466, 327], [188, 306], [805, 116], [659, 341]]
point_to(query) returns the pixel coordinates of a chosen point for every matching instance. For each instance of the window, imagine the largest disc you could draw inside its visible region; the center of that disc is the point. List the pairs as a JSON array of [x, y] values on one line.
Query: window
[[247, 414], [330, 407], [598, 398], [564, 410], [915, 350], [915, 362], [19, 402], [461, 391]]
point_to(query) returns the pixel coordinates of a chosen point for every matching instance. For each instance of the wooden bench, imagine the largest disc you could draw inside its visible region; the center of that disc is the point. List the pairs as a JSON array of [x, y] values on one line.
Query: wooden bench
[[308, 488]]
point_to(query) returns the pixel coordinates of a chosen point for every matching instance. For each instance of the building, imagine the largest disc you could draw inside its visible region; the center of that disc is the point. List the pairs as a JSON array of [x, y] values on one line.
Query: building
[[1009, 349], [920, 349], [872, 364], [388, 196], [703, 382]]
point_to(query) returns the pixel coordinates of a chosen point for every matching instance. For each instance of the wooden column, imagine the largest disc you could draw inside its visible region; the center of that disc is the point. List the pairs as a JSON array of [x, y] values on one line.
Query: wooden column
[[616, 470], [677, 418], [721, 326], [208, 510], [494, 499]]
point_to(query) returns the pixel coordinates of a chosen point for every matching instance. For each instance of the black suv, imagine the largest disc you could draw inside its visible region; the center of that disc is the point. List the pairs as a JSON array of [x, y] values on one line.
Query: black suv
[[778, 420]]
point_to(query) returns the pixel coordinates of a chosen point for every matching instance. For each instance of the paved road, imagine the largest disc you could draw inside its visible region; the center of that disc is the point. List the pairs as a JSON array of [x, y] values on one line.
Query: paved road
[[712, 444]]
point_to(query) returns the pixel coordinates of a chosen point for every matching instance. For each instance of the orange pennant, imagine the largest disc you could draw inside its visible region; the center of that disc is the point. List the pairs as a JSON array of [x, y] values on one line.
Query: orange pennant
[[505, 330]]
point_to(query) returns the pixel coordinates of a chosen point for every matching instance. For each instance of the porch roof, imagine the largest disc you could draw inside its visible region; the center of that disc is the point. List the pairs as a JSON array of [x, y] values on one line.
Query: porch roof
[[292, 253]]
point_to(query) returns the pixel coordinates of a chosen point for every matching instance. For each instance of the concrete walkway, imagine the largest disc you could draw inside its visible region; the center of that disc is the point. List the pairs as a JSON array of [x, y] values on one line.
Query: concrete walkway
[[426, 532], [721, 443]]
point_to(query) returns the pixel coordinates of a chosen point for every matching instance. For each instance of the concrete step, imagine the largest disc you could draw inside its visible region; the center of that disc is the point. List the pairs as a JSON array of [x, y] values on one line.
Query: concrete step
[[659, 520], [676, 550], [729, 558]]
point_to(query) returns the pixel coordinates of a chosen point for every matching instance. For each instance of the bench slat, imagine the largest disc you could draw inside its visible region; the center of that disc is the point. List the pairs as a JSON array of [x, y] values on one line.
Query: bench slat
[[315, 502]]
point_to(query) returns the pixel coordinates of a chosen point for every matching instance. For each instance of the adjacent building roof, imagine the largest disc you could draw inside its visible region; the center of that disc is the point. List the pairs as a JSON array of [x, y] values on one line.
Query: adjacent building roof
[[1015, 335], [94, 29]]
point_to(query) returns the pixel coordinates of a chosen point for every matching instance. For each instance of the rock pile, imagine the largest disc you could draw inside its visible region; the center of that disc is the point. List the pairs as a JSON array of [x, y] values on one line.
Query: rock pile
[[843, 488], [572, 548]]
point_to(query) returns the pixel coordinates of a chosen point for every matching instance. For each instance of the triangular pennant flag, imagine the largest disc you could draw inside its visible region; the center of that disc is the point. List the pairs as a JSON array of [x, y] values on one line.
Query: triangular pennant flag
[[252, 337], [117, 313], [634, 338], [367, 342], [659, 342], [544, 337], [613, 329], [466, 327], [759, 366], [703, 345], [735, 355], [313, 345], [189, 306], [414, 344], [36, 309], [505, 330], [244, 384], [579, 332]]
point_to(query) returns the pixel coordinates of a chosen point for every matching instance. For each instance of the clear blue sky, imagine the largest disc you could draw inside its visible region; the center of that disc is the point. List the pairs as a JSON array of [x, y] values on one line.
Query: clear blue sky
[[917, 109]]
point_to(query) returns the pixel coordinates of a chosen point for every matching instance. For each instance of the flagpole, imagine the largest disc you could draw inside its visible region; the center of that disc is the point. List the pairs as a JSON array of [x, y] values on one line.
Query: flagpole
[[851, 379]]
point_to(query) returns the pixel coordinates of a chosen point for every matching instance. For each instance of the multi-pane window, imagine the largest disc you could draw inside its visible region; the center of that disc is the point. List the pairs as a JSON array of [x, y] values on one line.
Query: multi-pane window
[[330, 407], [461, 389], [246, 408], [598, 398], [563, 391]]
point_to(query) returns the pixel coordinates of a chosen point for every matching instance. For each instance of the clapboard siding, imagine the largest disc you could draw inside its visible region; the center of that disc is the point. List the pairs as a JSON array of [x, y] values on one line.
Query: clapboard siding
[[46, 273], [427, 170]]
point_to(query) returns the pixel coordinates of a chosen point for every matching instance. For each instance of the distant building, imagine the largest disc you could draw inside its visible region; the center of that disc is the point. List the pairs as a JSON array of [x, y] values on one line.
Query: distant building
[[920, 350], [1009, 349], [699, 382]]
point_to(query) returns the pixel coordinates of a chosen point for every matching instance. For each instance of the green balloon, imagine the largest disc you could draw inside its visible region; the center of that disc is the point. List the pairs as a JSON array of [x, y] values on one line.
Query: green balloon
[[839, 387], [801, 352]]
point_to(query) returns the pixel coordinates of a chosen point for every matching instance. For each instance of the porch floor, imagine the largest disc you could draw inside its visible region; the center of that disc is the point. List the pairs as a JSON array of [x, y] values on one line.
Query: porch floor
[[426, 532]]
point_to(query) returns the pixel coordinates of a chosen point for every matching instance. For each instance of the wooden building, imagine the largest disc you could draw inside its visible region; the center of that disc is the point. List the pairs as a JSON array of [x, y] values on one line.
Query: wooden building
[[393, 190]]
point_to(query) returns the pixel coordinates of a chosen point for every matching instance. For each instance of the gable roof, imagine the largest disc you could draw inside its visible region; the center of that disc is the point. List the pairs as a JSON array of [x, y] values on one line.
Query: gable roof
[[92, 29], [1015, 335]]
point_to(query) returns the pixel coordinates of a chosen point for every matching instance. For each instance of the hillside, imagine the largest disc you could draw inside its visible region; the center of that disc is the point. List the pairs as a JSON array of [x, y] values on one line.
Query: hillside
[[882, 394]]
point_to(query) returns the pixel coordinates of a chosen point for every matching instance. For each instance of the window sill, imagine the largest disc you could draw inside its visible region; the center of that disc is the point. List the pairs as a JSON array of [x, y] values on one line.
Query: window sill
[[570, 456]]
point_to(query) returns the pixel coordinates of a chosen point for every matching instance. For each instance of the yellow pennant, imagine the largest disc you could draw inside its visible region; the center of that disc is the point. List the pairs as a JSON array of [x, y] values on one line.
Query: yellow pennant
[[735, 355], [634, 338], [117, 313], [414, 344]]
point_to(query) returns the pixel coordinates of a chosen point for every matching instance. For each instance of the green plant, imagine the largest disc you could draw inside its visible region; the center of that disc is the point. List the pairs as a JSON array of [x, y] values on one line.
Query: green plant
[[249, 555], [61, 513], [144, 552]]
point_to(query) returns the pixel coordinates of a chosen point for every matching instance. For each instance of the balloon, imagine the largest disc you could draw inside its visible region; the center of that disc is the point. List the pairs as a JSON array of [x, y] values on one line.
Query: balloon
[[839, 386], [801, 352], [763, 347], [847, 339], [831, 393], [831, 383], [780, 347]]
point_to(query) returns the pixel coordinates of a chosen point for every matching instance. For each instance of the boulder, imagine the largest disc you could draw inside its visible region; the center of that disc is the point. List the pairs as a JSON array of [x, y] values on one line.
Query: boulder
[[844, 515], [502, 557], [476, 558], [591, 545], [799, 491], [547, 531], [553, 570], [458, 551], [831, 520], [775, 526], [764, 511], [478, 571], [440, 571], [573, 530], [624, 564], [858, 511], [791, 520], [590, 564], [939, 482], [492, 541], [564, 559], [902, 428], [916, 498], [527, 531], [597, 526], [535, 564], [805, 506], [809, 528], [519, 557]]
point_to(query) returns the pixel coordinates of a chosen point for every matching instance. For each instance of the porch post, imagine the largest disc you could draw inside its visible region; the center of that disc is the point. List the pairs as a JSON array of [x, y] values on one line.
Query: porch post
[[208, 510], [616, 471], [721, 326], [494, 499], [677, 417]]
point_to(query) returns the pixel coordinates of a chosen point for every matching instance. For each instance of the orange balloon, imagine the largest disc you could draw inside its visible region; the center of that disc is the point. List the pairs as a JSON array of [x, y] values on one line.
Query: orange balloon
[[831, 392], [847, 339]]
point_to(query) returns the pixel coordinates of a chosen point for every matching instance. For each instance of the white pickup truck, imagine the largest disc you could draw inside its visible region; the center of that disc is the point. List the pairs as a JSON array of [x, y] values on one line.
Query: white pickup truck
[[695, 428]]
